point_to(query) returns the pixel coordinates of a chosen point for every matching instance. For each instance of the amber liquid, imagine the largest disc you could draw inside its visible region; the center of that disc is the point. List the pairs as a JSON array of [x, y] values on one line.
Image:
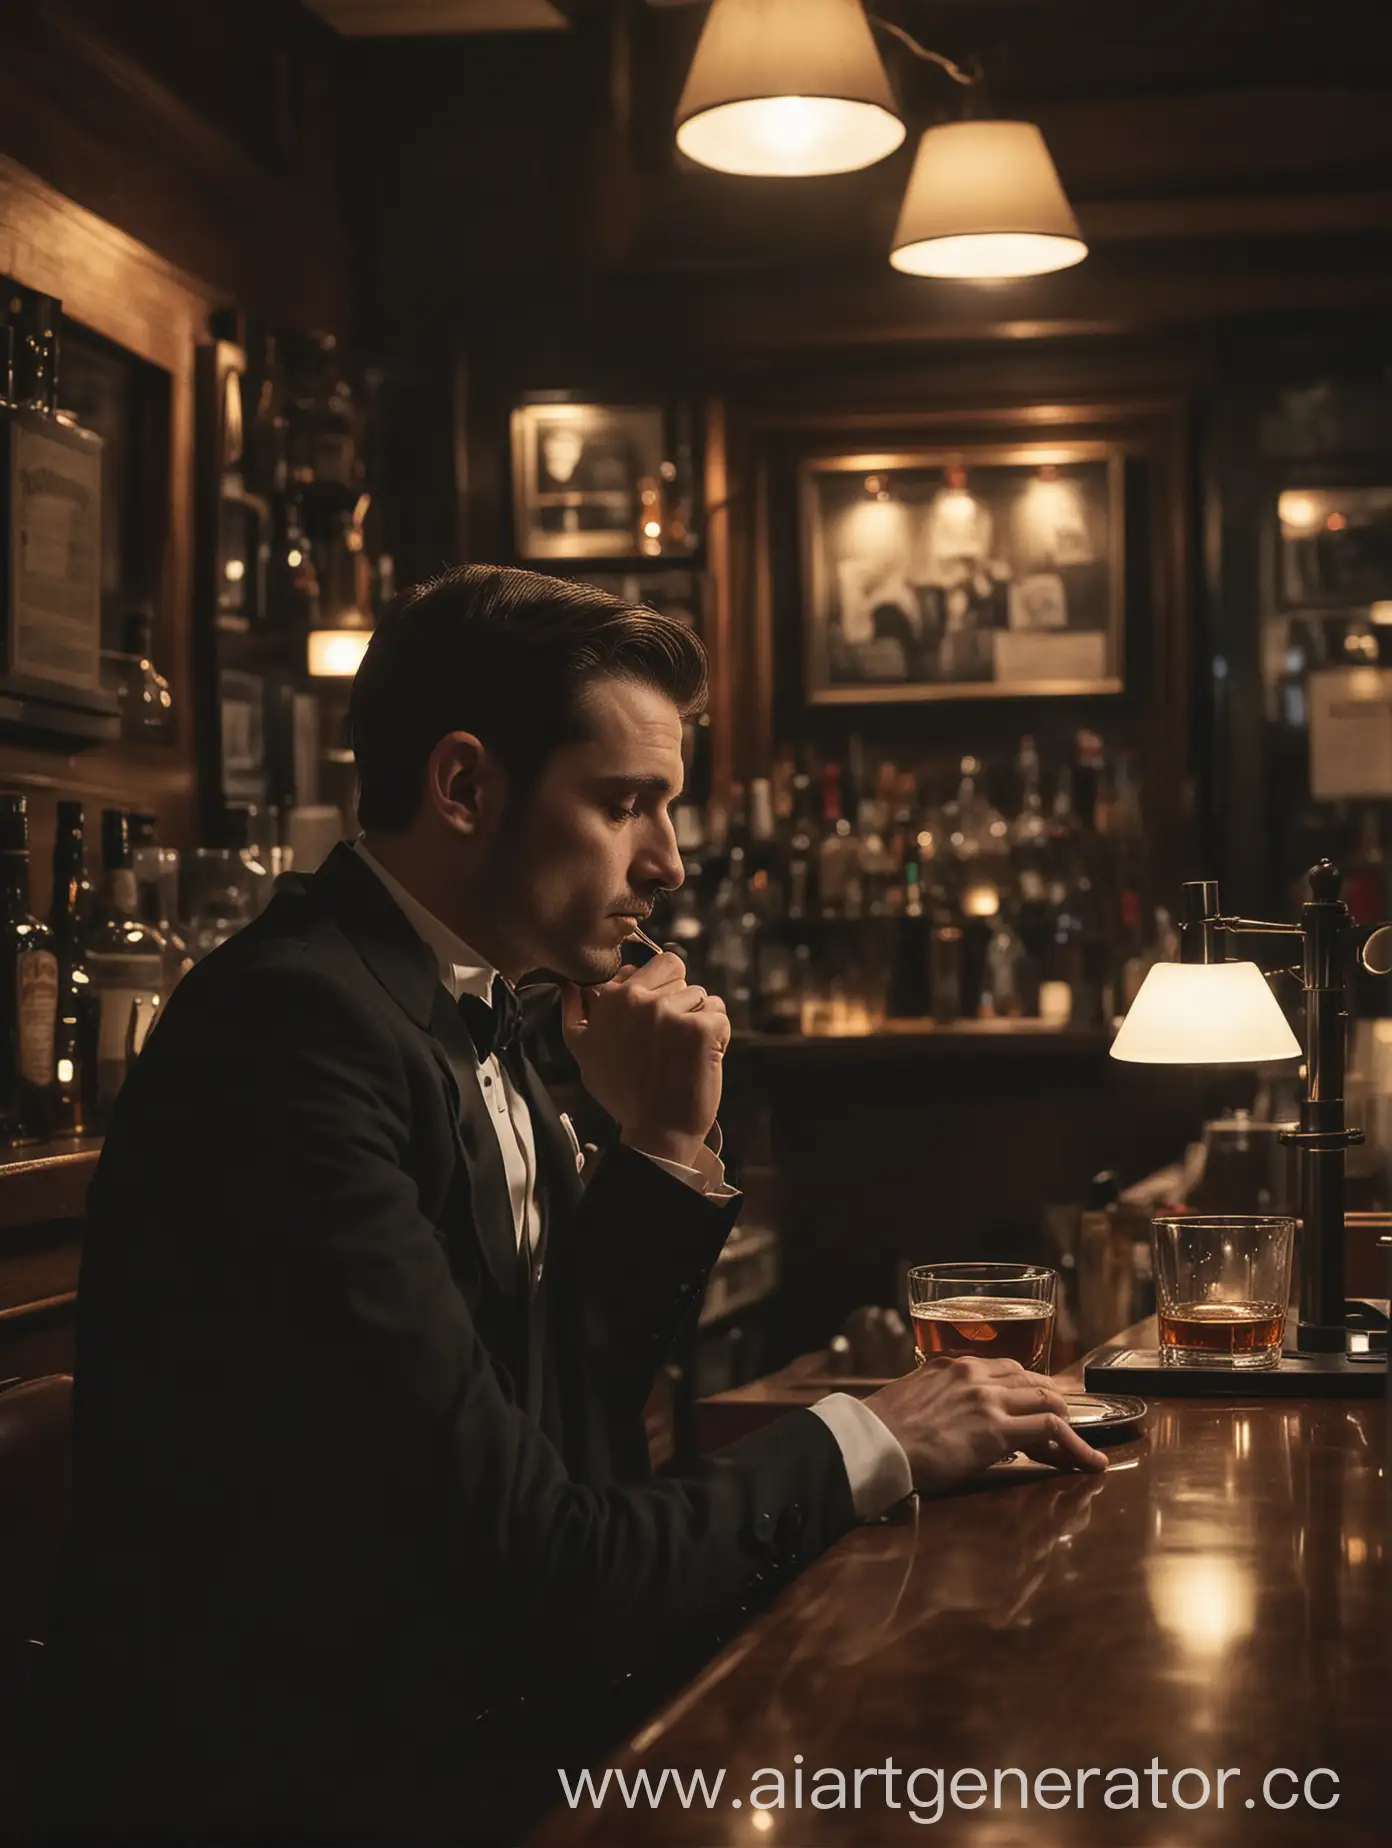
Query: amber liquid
[[992, 1327], [1227, 1331]]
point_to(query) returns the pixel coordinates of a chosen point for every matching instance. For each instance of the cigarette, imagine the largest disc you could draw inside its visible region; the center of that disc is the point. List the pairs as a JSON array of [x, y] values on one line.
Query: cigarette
[[643, 937]]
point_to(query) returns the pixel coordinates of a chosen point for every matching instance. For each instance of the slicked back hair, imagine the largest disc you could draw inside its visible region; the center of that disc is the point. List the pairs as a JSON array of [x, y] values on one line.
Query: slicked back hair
[[507, 655]]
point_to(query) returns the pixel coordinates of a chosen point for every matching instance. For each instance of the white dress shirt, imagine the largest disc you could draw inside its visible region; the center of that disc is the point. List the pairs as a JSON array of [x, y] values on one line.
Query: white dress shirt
[[875, 1462]]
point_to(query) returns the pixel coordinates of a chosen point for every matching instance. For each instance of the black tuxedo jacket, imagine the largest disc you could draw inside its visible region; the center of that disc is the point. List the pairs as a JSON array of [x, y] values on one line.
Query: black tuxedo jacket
[[346, 1478]]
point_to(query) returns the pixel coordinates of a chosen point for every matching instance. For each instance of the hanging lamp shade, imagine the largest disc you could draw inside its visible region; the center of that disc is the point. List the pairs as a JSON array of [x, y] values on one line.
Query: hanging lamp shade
[[787, 88], [984, 201]]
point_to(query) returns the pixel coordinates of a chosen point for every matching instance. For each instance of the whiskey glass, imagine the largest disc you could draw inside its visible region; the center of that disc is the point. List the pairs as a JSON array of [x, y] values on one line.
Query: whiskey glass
[[995, 1311], [1222, 1286]]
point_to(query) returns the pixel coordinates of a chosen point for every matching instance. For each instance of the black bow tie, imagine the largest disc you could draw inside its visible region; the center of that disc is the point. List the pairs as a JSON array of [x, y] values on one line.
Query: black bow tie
[[495, 1028]]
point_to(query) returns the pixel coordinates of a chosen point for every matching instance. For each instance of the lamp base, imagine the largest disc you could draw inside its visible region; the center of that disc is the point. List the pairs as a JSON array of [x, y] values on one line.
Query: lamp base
[[1295, 1376]]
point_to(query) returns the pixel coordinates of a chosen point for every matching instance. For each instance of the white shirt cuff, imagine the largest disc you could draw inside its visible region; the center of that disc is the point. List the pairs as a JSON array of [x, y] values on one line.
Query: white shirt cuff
[[708, 1175], [876, 1465]]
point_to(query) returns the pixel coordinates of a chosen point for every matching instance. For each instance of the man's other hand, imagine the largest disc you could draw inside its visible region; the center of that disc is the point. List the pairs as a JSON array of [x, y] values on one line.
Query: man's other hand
[[955, 1416], [650, 1047]]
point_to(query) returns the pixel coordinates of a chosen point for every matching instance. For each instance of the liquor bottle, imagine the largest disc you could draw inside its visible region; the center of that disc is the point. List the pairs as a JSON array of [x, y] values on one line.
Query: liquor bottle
[[801, 851], [146, 702], [838, 858], [909, 994], [325, 450], [1365, 872], [157, 880], [70, 918], [1029, 832], [1009, 981], [50, 521], [125, 959], [250, 833], [765, 874], [978, 839], [733, 950], [29, 980], [946, 966]]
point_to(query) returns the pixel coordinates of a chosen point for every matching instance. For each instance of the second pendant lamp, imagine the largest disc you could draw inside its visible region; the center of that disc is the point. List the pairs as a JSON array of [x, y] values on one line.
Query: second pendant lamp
[[790, 88]]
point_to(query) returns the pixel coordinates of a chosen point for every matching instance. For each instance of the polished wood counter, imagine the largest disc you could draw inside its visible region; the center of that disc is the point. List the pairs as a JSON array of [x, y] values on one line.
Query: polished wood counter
[[1217, 1601]]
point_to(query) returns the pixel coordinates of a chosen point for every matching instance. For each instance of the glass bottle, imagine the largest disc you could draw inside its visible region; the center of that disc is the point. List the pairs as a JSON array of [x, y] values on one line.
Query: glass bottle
[[220, 903], [157, 878], [146, 702], [125, 959], [75, 1110], [1029, 832], [28, 991], [250, 834], [978, 838]]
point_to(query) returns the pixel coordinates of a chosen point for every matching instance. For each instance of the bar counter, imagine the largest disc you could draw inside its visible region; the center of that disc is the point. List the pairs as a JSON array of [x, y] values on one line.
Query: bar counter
[[1217, 1601]]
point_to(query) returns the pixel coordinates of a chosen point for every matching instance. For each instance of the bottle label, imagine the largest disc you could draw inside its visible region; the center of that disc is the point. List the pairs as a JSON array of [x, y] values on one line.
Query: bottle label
[[117, 1007], [37, 977], [125, 891]]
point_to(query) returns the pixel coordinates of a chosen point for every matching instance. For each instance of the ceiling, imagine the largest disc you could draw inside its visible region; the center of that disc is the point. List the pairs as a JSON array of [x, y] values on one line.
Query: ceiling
[[416, 18]]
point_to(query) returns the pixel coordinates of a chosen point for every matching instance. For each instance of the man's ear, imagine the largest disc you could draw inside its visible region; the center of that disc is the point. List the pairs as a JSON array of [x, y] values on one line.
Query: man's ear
[[456, 780]]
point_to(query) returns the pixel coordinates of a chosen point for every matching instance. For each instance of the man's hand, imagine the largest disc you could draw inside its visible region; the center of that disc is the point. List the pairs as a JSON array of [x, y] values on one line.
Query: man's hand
[[957, 1416], [649, 1046]]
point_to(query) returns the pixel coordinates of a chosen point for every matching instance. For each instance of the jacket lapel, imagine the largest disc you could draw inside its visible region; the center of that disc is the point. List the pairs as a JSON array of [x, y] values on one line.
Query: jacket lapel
[[406, 968]]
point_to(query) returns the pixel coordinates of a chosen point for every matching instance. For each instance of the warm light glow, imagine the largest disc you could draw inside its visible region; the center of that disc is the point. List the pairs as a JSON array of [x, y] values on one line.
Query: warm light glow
[[790, 137], [1206, 1602], [337, 653], [1205, 1014], [1381, 614], [65, 1071], [980, 901], [294, 557], [652, 529], [234, 570], [993, 256], [1298, 513], [783, 91], [985, 203]]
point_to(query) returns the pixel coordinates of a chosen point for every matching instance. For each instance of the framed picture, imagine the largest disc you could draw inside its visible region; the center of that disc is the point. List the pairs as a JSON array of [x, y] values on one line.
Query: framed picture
[[1335, 547], [242, 710], [587, 480], [973, 573]]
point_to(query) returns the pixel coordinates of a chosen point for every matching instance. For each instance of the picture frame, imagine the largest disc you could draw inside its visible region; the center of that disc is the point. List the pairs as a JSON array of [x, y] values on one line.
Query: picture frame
[[584, 479], [1334, 546], [985, 571], [242, 729]]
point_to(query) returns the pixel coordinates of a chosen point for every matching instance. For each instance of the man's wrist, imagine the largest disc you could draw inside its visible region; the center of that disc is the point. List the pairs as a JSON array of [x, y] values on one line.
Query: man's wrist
[[665, 1145]]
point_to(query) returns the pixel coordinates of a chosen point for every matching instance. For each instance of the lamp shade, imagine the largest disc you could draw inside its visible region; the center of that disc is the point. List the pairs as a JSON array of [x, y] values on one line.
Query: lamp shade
[[984, 201], [787, 88], [336, 654], [1205, 1014]]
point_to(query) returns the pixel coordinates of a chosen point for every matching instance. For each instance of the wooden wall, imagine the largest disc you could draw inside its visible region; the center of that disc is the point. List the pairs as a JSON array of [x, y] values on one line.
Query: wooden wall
[[157, 161], [524, 223]]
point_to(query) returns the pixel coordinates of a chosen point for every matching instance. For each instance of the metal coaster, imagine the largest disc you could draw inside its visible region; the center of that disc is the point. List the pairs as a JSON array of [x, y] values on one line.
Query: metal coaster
[[1097, 1411]]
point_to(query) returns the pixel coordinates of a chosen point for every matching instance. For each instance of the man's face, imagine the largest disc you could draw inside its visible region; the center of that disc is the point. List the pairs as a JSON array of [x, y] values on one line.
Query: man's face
[[570, 868]]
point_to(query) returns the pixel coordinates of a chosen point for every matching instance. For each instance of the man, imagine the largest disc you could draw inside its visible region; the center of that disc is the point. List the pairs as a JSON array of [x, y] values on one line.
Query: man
[[361, 1474]]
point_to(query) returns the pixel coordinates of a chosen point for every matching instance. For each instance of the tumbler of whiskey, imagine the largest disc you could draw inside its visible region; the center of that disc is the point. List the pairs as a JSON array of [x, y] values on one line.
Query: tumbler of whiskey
[[1221, 1289], [995, 1311]]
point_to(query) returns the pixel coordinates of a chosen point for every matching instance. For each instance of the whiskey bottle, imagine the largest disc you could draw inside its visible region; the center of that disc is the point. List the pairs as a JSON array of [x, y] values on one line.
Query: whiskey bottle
[[29, 985], [125, 959], [70, 918], [157, 882]]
